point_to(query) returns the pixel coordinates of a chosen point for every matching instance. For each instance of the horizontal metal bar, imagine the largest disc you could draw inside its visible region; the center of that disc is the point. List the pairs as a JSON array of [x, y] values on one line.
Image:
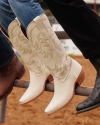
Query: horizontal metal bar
[[62, 35], [80, 90], [21, 83]]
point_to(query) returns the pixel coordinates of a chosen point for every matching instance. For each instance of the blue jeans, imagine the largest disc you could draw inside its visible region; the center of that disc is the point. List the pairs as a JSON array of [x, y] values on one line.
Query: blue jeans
[[24, 10], [6, 52]]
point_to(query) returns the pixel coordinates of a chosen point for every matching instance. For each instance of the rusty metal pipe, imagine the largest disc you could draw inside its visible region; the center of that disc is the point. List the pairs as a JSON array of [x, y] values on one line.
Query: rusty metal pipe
[[80, 90], [62, 35]]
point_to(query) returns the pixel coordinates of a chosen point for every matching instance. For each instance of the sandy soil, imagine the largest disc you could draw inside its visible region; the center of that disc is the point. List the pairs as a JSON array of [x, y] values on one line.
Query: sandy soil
[[33, 113]]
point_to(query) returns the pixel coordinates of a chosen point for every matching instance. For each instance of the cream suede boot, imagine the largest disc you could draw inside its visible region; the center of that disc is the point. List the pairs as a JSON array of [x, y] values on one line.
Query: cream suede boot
[[65, 70], [38, 72]]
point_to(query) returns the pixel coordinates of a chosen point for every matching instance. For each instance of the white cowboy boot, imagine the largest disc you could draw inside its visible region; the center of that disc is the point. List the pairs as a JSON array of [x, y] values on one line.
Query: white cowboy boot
[[65, 70], [38, 72]]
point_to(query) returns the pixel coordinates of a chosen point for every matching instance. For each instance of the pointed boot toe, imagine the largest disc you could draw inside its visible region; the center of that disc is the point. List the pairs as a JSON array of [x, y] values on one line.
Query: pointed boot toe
[[50, 110], [86, 106], [27, 96], [81, 107], [22, 100], [32, 92], [55, 105]]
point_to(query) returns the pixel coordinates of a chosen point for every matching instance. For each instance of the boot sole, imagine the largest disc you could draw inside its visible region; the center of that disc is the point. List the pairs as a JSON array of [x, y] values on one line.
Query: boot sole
[[20, 75], [39, 94], [88, 109], [78, 82]]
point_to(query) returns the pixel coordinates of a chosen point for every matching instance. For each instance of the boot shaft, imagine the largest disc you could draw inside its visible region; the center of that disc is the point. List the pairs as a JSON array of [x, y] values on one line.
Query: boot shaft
[[21, 44], [48, 47]]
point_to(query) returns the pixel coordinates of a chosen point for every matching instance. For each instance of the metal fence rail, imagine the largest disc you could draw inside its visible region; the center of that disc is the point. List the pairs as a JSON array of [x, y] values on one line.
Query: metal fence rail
[[80, 90]]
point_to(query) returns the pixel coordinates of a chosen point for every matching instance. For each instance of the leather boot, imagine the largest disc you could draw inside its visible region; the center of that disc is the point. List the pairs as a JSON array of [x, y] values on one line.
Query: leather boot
[[65, 70], [14, 70], [38, 72], [93, 101]]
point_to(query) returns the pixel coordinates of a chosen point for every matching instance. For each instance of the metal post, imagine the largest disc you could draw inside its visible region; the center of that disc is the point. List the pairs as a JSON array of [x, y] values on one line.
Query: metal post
[[3, 110]]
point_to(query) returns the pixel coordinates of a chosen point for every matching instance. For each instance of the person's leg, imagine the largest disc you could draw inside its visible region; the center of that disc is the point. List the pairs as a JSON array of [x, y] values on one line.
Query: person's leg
[[26, 10], [83, 27], [6, 15], [38, 72]]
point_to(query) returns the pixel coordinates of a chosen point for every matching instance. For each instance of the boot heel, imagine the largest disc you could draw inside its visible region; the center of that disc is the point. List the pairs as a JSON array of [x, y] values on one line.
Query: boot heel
[[20, 75], [81, 77]]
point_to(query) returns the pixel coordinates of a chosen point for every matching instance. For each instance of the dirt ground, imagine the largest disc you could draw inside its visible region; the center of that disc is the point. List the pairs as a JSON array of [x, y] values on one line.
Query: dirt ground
[[33, 113]]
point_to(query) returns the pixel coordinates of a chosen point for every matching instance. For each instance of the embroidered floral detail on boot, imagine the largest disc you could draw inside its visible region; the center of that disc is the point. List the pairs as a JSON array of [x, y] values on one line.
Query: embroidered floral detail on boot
[[22, 45], [50, 48]]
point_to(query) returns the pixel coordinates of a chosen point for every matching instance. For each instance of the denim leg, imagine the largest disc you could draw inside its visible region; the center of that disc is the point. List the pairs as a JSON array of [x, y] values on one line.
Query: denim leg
[[6, 14], [26, 10], [6, 52]]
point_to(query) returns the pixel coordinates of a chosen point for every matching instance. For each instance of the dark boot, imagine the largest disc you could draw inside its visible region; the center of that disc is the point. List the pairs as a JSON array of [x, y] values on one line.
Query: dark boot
[[93, 101], [15, 69]]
